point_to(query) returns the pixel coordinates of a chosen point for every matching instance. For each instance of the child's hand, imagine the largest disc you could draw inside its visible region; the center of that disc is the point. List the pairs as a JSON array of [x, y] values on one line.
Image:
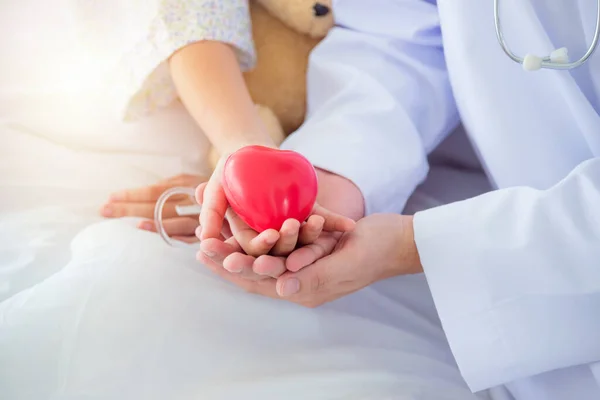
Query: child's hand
[[182, 229], [293, 233], [140, 202]]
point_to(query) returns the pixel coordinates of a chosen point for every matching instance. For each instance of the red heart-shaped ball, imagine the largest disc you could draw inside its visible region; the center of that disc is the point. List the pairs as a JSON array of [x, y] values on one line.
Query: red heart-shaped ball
[[266, 186]]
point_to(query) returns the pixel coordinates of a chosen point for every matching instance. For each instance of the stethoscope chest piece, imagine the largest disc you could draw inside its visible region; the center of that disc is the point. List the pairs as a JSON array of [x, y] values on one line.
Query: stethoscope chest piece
[[558, 59]]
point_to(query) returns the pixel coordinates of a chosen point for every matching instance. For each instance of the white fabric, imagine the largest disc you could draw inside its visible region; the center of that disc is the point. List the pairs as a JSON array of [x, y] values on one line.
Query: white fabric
[[134, 39], [527, 310], [377, 85], [87, 329], [528, 272], [49, 191], [129, 317], [111, 312], [64, 149], [380, 100], [49, 87], [116, 314]]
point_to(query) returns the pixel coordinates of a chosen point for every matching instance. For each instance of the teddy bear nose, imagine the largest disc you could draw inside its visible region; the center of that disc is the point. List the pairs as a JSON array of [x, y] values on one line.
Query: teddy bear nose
[[321, 10]]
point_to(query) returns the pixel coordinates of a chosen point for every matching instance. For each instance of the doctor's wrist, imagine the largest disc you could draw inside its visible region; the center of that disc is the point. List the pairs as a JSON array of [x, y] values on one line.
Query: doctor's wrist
[[408, 261], [340, 195]]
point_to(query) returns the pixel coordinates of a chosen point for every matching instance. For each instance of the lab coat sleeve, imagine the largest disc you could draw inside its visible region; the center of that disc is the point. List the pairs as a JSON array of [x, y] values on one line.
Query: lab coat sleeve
[[379, 98], [515, 275]]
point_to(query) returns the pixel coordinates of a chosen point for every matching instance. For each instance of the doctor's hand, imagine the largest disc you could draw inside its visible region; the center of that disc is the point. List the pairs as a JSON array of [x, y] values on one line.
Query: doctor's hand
[[140, 202], [381, 246], [215, 210], [336, 193]]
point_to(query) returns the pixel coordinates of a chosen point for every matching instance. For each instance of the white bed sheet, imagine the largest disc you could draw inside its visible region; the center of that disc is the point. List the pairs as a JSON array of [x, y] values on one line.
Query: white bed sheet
[[94, 309], [50, 188], [62, 145], [105, 311]]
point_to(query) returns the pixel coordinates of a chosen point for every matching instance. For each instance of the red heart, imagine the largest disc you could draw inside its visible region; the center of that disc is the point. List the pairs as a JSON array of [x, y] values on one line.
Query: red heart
[[266, 186]]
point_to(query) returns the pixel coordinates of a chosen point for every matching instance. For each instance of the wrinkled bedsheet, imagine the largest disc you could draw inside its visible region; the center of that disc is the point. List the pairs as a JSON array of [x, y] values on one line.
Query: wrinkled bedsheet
[[96, 309]]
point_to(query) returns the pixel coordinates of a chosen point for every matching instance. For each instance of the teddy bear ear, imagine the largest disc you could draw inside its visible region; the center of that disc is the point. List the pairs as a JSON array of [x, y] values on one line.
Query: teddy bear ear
[[309, 17]]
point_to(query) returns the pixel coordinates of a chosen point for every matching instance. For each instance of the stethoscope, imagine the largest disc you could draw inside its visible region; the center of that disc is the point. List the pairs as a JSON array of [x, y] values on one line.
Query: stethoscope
[[558, 59]]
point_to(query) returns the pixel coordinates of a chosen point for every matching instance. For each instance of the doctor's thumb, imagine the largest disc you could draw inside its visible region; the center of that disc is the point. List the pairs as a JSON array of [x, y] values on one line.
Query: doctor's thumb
[[305, 282], [287, 286]]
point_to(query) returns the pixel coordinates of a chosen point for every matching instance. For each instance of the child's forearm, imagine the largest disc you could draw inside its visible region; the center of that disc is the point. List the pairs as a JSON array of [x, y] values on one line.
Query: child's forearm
[[211, 86]]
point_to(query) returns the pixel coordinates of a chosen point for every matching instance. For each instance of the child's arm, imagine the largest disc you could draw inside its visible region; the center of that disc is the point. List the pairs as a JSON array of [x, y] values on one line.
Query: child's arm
[[210, 84]]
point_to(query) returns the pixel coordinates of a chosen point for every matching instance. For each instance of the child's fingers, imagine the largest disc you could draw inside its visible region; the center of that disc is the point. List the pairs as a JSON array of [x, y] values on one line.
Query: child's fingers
[[252, 243], [226, 230], [186, 239], [288, 238], [180, 226], [184, 180], [333, 222], [148, 194], [257, 245], [310, 231], [214, 206], [200, 192], [143, 210]]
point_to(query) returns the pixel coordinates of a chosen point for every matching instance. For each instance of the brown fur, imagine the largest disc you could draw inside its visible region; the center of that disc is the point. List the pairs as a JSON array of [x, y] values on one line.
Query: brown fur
[[284, 33], [279, 79]]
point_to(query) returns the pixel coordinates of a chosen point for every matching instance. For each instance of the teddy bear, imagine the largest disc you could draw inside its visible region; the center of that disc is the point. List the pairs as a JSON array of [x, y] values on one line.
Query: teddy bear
[[284, 34]]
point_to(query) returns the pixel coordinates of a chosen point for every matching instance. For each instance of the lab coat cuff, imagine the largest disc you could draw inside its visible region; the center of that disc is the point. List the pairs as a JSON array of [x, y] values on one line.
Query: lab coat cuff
[[461, 297], [356, 160]]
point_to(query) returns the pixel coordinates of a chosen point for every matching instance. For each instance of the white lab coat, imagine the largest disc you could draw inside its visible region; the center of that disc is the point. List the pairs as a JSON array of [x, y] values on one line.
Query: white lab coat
[[515, 274]]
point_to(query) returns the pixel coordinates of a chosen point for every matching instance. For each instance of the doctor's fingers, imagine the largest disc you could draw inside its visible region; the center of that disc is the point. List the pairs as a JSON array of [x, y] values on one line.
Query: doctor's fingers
[[328, 279], [311, 289], [270, 266], [228, 255], [264, 287], [217, 250], [242, 265], [227, 259], [309, 254]]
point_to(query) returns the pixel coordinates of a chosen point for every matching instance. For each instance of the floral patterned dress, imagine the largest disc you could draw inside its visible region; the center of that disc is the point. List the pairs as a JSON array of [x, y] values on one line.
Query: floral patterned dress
[[141, 78]]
